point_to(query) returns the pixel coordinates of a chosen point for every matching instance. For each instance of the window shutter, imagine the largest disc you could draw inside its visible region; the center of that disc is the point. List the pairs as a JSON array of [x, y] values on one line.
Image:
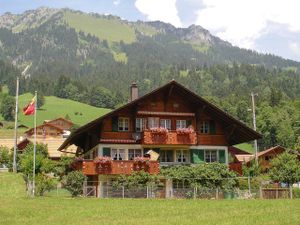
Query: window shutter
[[188, 123], [222, 158], [115, 121], [106, 152], [197, 156], [212, 127]]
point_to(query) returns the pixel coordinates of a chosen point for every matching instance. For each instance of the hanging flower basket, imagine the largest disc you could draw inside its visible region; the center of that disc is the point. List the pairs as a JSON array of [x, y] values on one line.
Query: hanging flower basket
[[159, 130], [102, 160], [185, 131]]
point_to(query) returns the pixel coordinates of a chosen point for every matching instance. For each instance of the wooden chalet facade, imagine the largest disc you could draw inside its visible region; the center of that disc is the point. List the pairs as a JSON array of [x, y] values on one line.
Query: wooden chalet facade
[[62, 123], [45, 131], [180, 126]]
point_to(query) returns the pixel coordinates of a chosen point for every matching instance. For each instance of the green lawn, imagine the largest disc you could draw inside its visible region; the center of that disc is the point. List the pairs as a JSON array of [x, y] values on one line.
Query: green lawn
[[246, 147], [15, 208], [113, 30], [58, 107]]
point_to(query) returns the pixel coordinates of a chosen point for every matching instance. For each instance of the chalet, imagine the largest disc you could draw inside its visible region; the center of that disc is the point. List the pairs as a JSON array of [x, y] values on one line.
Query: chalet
[[45, 131], [62, 123], [180, 126]]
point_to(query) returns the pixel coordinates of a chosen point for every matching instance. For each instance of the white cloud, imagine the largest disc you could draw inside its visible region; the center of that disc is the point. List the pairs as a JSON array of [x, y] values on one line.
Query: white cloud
[[243, 22], [116, 2], [295, 47], [163, 10]]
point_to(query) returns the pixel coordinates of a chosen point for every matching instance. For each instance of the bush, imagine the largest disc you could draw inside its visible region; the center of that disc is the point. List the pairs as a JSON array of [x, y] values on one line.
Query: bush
[[4, 156], [44, 183], [73, 182], [296, 192]]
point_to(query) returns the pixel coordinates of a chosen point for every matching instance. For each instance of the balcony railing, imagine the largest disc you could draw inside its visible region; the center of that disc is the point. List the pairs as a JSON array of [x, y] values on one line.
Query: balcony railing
[[89, 167], [171, 137]]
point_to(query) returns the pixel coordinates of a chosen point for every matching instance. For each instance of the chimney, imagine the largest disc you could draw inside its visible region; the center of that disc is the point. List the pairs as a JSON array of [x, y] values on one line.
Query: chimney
[[134, 91]]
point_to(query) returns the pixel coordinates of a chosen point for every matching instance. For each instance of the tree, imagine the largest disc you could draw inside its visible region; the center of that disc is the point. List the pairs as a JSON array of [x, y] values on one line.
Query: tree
[[285, 168], [4, 156], [44, 183], [40, 100], [7, 108], [73, 182]]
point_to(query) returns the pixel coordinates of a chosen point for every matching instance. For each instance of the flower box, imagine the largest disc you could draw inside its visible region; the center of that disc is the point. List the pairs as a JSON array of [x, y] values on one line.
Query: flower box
[[102, 160], [185, 131]]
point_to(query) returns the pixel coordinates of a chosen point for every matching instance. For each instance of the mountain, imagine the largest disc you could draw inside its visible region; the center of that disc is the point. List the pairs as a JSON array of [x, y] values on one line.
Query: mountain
[[104, 51]]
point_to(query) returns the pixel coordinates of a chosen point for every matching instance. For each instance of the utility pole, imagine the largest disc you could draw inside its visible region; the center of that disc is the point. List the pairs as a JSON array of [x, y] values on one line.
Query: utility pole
[[16, 127], [254, 124]]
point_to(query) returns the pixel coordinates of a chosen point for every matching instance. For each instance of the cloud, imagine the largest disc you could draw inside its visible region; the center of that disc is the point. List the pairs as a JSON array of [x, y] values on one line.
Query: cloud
[[163, 10], [243, 22], [116, 2], [295, 47]]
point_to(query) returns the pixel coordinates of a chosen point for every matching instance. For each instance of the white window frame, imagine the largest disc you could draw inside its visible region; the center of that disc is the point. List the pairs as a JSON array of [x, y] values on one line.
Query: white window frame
[[165, 123], [184, 154], [164, 152], [208, 152], [139, 124], [153, 122], [180, 124], [123, 124], [204, 127], [121, 153], [135, 154]]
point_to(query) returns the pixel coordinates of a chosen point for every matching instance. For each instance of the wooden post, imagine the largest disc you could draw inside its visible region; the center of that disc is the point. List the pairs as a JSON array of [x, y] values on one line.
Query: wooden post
[[276, 193], [261, 192], [123, 192], [291, 192]]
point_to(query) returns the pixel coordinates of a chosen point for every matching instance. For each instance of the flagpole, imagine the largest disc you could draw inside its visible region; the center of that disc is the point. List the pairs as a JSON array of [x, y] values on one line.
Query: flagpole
[[16, 127], [34, 146]]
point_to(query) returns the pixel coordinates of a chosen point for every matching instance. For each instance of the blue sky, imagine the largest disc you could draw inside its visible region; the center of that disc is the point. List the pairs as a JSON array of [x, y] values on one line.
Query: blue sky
[[268, 26]]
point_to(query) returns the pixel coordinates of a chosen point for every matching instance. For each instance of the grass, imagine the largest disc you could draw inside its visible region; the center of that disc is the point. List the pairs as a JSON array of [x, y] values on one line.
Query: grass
[[16, 208], [57, 107], [113, 30], [246, 147]]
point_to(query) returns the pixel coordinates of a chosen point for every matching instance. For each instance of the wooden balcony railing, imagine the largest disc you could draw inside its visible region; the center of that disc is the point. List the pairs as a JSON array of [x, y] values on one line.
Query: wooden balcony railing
[[211, 139], [89, 167], [170, 137]]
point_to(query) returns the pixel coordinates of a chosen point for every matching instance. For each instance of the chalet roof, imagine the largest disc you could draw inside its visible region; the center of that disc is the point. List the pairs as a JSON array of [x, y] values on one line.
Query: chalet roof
[[59, 118], [237, 151], [273, 149], [237, 131], [46, 124]]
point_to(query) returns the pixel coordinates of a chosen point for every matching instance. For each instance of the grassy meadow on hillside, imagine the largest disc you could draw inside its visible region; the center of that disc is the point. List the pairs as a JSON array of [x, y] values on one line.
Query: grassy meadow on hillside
[[16, 208], [112, 30], [54, 107]]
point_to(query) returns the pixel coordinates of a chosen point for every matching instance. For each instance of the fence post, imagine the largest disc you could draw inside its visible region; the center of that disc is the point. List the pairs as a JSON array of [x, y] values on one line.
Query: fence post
[[260, 192], [123, 192], [217, 193], [276, 193], [249, 184], [291, 192], [195, 192], [147, 189]]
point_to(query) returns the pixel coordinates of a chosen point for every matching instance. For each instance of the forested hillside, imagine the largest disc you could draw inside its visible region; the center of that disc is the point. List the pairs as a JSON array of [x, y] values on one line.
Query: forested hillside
[[93, 58]]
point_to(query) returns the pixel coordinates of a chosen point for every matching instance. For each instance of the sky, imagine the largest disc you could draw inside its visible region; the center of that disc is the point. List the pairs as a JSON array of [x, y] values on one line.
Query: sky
[[267, 26]]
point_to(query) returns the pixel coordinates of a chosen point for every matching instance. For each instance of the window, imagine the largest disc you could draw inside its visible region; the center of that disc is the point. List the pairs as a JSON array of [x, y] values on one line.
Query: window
[[268, 157], [118, 154], [140, 124], [166, 156], [165, 123], [180, 124], [204, 127], [182, 156], [153, 122], [123, 124], [211, 156], [132, 153]]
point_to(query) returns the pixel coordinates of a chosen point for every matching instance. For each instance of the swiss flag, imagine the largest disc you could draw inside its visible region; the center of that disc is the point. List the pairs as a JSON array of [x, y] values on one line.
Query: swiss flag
[[30, 108]]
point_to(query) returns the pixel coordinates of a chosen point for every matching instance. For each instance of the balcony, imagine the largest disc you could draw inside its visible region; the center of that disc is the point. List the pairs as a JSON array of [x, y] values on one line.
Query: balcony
[[171, 137], [89, 167]]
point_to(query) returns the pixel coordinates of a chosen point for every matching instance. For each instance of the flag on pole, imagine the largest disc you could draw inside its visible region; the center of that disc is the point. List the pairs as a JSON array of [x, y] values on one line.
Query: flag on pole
[[30, 108]]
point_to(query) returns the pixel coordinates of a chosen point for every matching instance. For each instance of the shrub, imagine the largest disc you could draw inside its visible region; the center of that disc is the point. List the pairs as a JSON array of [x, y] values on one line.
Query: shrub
[[296, 192], [73, 182], [4, 156], [44, 183]]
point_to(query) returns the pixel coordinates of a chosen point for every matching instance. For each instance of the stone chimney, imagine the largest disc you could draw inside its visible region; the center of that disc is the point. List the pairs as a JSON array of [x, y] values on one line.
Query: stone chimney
[[134, 91]]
